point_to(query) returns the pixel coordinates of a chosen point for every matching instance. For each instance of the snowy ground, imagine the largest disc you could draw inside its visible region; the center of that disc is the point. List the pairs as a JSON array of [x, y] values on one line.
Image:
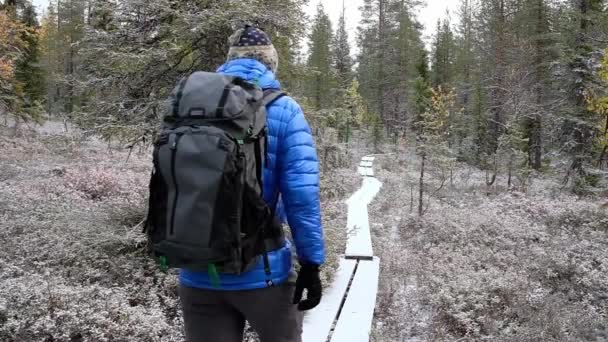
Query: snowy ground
[[72, 266], [482, 264], [485, 263]]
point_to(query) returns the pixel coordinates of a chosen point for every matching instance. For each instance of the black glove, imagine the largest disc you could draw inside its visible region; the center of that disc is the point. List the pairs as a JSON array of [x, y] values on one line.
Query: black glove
[[308, 279]]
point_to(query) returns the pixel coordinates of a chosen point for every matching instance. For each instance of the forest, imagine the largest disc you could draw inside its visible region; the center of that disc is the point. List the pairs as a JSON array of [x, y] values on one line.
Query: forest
[[492, 141], [510, 86]]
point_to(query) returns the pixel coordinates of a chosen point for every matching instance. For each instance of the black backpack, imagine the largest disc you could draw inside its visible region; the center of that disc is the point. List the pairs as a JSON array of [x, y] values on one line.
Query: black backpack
[[206, 210]]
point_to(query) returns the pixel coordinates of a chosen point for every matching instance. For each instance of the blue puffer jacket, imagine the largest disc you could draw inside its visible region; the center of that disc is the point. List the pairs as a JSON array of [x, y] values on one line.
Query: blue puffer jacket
[[293, 170]]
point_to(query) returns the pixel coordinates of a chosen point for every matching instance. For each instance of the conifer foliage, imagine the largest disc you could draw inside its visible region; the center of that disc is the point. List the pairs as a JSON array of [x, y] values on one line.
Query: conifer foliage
[[21, 77], [524, 75], [321, 77]]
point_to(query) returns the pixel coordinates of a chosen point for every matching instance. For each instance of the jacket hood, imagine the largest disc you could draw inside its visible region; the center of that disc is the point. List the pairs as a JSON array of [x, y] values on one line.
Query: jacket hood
[[252, 71]]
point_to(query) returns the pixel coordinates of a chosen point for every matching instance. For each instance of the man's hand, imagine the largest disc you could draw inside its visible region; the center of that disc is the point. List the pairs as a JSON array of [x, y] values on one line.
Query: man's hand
[[308, 279]]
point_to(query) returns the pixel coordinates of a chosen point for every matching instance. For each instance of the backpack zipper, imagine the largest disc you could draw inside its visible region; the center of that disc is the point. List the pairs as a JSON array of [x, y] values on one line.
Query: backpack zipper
[[173, 158]]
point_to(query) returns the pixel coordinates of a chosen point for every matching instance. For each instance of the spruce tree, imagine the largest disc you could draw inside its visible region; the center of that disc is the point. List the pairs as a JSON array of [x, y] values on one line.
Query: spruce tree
[[28, 73], [26, 87], [390, 43], [587, 17], [466, 76], [598, 104], [423, 93], [129, 67], [444, 52], [51, 47], [342, 61], [71, 26], [537, 32], [320, 60], [11, 50]]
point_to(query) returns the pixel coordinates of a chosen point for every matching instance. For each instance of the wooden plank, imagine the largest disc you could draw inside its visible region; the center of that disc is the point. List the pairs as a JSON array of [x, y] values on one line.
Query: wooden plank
[[365, 171], [319, 321], [359, 244], [355, 321], [370, 188]]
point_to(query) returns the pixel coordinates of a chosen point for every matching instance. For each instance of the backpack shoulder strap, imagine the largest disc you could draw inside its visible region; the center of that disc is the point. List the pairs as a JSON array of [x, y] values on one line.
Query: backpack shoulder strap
[[179, 94], [272, 95]]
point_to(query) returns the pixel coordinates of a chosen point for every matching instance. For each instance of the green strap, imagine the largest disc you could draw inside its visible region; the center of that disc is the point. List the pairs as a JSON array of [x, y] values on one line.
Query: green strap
[[163, 264], [214, 276]]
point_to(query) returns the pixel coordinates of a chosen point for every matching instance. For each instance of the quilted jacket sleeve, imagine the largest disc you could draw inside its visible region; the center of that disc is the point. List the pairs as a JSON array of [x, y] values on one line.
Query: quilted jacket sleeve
[[299, 185]]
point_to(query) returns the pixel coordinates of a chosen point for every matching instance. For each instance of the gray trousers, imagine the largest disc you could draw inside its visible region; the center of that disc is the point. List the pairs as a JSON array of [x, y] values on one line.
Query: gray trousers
[[217, 316]]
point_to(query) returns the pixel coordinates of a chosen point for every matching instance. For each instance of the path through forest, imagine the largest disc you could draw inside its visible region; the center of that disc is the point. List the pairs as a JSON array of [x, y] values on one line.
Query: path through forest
[[346, 312]]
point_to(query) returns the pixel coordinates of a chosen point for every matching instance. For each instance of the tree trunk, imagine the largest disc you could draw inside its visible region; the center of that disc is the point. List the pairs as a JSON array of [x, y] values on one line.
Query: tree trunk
[[535, 141], [603, 155], [496, 124], [421, 186], [381, 45], [411, 198], [582, 132]]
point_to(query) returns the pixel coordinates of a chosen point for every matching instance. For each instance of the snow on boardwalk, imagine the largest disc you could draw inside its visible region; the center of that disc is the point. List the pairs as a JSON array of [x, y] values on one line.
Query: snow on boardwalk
[[347, 309], [358, 312], [319, 321], [359, 244]]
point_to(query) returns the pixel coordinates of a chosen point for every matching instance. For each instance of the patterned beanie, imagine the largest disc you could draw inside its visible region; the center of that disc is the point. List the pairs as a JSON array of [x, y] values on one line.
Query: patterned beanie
[[251, 42]]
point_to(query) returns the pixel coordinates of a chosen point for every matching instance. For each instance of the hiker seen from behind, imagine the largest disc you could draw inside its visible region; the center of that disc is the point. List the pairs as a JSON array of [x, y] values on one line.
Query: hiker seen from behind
[[235, 155]]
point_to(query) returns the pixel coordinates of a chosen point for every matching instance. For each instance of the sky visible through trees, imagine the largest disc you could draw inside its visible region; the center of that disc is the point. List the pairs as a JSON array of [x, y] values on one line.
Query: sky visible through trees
[[428, 15]]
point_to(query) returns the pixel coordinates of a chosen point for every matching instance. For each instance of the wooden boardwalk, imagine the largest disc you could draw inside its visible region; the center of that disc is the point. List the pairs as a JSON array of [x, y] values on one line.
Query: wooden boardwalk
[[347, 310]]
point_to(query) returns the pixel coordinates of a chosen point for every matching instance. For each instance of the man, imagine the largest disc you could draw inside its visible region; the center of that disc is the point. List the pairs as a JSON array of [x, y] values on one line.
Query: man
[[273, 309]]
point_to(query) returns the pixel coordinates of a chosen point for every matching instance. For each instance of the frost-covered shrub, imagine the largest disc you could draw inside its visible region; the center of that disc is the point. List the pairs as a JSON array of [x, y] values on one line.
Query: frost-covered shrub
[[73, 265], [8, 171], [67, 145], [96, 184], [500, 266]]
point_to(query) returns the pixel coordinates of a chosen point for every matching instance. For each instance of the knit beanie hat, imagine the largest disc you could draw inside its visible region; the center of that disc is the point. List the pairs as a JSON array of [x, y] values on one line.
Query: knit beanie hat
[[251, 42]]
